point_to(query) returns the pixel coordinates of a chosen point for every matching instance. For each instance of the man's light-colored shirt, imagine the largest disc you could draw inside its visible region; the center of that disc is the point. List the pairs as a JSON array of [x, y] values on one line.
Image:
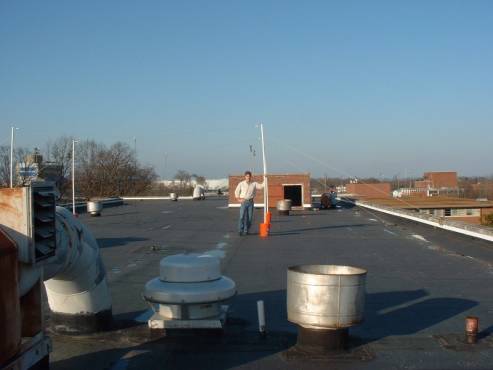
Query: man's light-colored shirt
[[247, 190]]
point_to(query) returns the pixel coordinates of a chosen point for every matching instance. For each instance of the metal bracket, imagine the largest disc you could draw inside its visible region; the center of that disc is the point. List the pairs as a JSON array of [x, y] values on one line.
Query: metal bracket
[[32, 351], [159, 322]]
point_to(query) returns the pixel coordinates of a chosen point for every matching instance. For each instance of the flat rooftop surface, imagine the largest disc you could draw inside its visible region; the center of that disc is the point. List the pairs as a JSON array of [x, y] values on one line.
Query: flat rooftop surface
[[429, 202], [421, 285]]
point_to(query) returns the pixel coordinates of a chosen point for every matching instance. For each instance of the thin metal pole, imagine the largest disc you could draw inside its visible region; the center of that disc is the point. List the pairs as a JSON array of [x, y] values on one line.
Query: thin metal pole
[[12, 157], [261, 317], [266, 187], [73, 177], [165, 164], [135, 151]]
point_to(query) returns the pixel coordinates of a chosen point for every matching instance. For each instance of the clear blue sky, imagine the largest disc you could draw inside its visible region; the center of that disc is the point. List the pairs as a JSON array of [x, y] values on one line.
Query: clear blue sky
[[357, 87]]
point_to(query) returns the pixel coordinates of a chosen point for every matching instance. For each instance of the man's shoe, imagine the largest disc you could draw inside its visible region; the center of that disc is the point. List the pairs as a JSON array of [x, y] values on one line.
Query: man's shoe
[[240, 233]]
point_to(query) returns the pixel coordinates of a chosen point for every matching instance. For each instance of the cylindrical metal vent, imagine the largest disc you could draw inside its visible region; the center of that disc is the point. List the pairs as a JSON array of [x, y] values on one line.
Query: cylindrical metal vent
[[324, 301], [321, 341], [284, 206], [94, 208]]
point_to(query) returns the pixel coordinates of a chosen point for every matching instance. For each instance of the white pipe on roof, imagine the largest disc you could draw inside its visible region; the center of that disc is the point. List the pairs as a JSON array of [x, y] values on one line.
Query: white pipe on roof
[[198, 192], [76, 282]]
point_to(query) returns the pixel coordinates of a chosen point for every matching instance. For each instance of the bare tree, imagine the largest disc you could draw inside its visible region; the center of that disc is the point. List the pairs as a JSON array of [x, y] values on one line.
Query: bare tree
[[20, 157], [200, 180], [26, 169], [183, 176], [4, 166], [59, 152], [100, 171], [111, 171]]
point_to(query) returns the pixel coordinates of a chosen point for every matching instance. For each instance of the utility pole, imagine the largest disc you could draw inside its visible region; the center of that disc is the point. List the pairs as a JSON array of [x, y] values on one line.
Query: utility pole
[[73, 176], [12, 155], [165, 163]]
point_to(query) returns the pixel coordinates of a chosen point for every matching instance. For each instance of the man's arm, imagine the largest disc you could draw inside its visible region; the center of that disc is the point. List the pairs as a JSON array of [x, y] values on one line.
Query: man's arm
[[260, 185], [237, 193]]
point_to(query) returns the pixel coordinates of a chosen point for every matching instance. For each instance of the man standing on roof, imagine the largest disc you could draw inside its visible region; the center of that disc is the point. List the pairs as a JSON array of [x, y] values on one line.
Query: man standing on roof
[[245, 194]]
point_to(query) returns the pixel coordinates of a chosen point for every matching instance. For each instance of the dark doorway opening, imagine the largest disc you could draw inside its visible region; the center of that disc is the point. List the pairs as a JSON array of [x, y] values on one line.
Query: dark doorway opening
[[294, 193]]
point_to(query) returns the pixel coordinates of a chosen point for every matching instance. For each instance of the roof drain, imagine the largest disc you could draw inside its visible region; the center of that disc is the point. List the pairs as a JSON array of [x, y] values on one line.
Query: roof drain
[[325, 301]]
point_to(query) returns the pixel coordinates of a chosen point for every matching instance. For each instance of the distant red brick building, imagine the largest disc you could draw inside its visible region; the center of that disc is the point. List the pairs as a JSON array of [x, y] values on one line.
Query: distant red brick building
[[440, 180], [378, 190], [281, 186], [423, 184]]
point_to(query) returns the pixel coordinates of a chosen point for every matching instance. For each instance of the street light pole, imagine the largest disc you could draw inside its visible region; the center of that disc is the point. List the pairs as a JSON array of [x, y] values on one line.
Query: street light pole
[[135, 151], [73, 176], [12, 155], [165, 164]]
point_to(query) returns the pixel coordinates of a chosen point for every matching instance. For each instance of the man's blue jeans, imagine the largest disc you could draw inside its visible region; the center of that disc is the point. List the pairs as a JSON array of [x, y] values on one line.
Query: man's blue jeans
[[246, 216]]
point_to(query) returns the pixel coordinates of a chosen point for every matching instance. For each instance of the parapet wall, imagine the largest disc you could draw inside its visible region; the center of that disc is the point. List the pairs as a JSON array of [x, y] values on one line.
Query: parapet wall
[[476, 231]]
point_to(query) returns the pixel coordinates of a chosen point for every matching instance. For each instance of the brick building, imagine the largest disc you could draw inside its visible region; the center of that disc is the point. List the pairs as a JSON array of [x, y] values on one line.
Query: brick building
[[439, 180], [281, 186], [422, 185], [450, 208], [378, 190]]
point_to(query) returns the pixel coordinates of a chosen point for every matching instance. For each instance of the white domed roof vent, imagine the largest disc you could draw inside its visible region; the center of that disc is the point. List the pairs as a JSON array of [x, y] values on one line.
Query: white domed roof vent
[[187, 268], [188, 293]]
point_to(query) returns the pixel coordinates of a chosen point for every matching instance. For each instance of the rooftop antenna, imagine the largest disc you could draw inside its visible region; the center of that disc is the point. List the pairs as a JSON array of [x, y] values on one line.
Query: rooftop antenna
[[266, 188], [252, 164]]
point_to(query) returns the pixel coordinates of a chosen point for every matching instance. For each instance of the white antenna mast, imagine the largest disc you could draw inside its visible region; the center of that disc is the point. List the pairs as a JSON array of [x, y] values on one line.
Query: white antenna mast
[[266, 188]]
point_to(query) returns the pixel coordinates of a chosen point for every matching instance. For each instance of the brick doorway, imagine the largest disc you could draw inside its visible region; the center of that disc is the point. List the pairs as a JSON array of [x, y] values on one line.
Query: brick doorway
[[294, 192]]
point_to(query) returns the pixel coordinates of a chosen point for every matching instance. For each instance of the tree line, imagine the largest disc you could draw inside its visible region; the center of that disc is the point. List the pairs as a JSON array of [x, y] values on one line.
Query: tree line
[[101, 170]]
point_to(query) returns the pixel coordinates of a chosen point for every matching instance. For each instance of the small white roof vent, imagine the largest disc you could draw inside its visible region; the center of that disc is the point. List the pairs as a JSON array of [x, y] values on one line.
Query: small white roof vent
[[189, 268]]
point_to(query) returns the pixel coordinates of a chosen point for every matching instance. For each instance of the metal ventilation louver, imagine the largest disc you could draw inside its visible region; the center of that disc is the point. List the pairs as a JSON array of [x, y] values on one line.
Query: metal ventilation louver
[[43, 220]]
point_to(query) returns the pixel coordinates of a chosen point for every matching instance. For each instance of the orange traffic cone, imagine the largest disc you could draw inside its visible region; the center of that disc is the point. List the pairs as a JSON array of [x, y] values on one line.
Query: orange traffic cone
[[264, 230]]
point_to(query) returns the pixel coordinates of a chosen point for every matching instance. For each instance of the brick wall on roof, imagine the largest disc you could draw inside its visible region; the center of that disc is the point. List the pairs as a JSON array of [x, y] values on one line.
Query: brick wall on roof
[[442, 179], [276, 190], [469, 220], [422, 184], [378, 190]]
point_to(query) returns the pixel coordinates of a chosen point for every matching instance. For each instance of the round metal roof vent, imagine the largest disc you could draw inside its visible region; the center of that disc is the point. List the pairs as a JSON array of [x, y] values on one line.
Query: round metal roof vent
[[187, 282], [189, 268]]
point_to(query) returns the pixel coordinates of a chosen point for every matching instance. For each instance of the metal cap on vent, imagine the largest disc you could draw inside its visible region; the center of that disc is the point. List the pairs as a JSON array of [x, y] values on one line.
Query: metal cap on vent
[[189, 268]]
